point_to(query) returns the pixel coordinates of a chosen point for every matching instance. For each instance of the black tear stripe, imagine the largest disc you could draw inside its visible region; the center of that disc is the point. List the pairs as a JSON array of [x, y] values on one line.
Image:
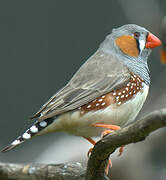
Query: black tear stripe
[[138, 45]]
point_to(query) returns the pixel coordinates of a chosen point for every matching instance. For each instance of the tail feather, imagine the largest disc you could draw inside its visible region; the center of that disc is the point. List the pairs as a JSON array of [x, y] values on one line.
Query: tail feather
[[32, 131], [12, 145]]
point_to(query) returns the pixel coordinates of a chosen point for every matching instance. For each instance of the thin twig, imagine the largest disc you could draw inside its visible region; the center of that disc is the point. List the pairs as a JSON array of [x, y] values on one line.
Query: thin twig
[[33, 171]]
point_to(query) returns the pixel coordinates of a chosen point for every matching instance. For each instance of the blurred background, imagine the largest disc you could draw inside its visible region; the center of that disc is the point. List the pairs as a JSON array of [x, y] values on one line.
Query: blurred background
[[42, 44]]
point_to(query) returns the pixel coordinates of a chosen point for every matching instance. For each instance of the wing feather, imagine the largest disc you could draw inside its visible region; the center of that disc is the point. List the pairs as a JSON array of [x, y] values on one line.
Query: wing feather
[[100, 74]]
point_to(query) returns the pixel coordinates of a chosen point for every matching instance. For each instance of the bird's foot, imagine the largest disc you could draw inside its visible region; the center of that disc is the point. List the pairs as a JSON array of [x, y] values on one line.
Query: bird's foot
[[121, 150], [90, 150], [92, 142], [111, 128], [108, 166]]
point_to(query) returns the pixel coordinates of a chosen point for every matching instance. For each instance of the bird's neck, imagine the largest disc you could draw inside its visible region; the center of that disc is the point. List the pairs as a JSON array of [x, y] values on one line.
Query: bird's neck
[[137, 65], [141, 69]]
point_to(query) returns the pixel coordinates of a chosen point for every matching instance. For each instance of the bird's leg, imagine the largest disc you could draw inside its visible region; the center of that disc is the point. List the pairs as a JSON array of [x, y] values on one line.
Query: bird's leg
[[92, 142], [110, 129], [121, 150]]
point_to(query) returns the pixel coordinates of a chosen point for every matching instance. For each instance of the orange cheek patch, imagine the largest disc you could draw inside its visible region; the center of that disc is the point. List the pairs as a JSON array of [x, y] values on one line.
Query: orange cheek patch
[[127, 45]]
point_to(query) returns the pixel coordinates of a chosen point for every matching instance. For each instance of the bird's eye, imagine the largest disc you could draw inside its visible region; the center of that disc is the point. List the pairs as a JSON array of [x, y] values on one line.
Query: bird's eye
[[136, 35]]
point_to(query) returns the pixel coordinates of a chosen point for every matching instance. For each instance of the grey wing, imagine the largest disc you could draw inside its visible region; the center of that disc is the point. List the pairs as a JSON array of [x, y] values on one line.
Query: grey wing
[[99, 75]]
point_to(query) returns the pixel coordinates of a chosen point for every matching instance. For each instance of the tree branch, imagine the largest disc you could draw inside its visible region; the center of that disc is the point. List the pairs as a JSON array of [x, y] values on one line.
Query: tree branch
[[41, 171], [133, 133], [98, 160]]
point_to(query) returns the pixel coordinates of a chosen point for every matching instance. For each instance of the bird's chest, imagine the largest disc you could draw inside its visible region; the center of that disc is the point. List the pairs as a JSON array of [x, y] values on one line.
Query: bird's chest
[[127, 111]]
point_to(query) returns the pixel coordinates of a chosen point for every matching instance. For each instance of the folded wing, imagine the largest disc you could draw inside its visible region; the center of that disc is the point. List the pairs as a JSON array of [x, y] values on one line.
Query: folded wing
[[99, 75]]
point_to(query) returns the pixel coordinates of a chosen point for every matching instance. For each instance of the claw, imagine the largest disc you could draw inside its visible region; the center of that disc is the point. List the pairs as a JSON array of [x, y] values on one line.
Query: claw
[[108, 166], [121, 150], [92, 142], [104, 133], [110, 129], [89, 152]]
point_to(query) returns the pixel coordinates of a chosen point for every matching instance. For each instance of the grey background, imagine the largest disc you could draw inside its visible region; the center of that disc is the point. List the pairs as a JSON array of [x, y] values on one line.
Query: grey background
[[42, 44]]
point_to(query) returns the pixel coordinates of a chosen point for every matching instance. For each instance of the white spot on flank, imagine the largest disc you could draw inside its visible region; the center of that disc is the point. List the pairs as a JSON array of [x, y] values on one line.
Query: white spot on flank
[[127, 95], [127, 88], [134, 75], [122, 96], [131, 87], [124, 92], [139, 79], [130, 92], [97, 104], [34, 129], [119, 93], [103, 104], [43, 124], [26, 136], [117, 97], [100, 100], [137, 87], [89, 106], [134, 91], [16, 142], [133, 78], [103, 96], [128, 84], [119, 103], [114, 94]]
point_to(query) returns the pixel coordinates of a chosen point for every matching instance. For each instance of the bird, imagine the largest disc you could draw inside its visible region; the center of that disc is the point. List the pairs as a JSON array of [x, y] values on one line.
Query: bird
[[106, 93]]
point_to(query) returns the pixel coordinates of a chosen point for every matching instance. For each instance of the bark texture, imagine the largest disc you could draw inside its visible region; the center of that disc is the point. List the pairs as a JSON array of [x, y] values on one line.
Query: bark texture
[[98, 160]]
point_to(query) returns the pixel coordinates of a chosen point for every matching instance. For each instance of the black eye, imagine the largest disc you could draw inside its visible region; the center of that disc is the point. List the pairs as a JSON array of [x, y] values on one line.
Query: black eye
[[136, 35]]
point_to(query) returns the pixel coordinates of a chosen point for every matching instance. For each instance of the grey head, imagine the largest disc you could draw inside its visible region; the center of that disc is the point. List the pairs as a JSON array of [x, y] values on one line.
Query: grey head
[[137, 64]]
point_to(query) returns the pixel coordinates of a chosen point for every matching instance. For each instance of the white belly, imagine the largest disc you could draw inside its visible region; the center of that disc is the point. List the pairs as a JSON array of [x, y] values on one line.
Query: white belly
[[76, 124]]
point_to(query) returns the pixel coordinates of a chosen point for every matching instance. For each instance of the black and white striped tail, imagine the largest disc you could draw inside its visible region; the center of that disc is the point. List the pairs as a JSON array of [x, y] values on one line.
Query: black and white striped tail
[[33, 130]]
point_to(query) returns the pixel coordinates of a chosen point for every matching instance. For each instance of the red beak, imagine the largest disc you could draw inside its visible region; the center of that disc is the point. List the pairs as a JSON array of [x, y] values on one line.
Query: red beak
[[152, 41]]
